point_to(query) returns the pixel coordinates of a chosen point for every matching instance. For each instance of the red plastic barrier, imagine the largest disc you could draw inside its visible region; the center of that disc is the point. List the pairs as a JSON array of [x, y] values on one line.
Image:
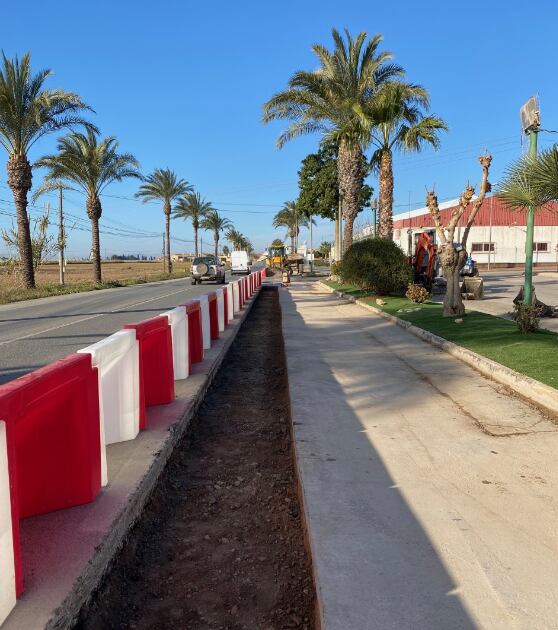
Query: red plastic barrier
[[226, 304], [264, 272], [213, 315], [53, 438], [195, 336], [251, 284], [156, 367], [241, 298]]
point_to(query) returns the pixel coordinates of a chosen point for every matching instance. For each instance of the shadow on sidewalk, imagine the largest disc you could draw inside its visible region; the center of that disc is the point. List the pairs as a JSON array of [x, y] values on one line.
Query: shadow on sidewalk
[[376, 566]]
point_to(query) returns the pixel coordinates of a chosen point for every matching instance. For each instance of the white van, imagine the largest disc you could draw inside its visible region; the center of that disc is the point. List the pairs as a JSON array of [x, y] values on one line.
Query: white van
[[240, 262]]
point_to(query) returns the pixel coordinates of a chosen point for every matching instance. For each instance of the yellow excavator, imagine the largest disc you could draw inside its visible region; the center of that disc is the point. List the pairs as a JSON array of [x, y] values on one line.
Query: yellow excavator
[[281, 257]]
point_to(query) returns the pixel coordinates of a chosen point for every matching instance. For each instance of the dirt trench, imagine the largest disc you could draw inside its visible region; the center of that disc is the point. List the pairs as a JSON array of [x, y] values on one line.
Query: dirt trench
[[221, 542]]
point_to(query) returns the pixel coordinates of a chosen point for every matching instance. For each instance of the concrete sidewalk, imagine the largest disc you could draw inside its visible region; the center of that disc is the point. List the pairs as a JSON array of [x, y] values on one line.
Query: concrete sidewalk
[[417, 518]]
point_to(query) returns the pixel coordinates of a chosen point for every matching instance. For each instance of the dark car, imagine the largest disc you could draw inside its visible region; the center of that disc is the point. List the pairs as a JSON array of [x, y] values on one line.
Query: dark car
[[208, 268]]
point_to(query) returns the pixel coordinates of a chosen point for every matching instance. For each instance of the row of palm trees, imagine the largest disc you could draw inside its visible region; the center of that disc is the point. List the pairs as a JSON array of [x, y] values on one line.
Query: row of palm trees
[[358, 99], [83, 161]]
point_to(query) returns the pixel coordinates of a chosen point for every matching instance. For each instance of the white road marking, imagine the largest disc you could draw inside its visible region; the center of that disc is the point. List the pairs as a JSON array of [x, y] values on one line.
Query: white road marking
[[84, 319]]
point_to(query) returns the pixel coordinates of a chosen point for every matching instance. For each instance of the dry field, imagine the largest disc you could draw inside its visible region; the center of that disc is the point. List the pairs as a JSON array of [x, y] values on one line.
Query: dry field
[[78, 278]]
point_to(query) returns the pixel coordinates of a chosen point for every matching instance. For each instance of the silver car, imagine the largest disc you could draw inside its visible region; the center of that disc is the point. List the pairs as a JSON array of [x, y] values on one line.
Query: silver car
[[208, 268]]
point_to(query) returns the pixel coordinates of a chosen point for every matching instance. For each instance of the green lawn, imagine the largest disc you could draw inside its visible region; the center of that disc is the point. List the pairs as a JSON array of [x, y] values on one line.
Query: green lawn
[[534, 354]]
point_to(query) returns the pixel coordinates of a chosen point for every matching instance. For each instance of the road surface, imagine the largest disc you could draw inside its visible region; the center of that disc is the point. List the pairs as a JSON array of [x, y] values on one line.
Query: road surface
[[37, 332]]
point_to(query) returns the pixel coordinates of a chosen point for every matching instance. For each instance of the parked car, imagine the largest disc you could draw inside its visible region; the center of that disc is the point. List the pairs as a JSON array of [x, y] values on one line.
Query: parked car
[[208, 268], [240, 262], [470, 268]]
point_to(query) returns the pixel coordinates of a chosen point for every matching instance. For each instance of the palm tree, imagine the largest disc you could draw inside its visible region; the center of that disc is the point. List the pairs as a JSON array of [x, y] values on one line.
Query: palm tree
[[530, 183], [215, 223], [235, 237], [192, 207], [27, 113], [399, 124], [91, 165], [164, 185], [290, 218], [334, 100]]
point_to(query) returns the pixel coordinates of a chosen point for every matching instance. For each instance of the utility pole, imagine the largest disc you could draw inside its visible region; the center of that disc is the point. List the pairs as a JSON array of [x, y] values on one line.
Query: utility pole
[[490, 233], [528, 290], [530, 121], [61, 235]]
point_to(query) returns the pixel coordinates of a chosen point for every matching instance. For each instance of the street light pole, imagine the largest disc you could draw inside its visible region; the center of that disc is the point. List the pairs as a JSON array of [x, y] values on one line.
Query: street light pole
[[528, 288], [61, 235]]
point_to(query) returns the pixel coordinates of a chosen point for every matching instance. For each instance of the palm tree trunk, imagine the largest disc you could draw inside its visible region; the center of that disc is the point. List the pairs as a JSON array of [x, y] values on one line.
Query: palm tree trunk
[[167, 244], [216, 244], [385, 228], [196, 240], [94, 211], [349, 172], [20, 181]]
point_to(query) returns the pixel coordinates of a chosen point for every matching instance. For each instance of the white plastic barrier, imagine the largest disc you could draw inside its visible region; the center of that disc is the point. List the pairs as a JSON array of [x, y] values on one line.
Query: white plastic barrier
[[206, 322], [236, 295], [220, 308], [178, 322], [7, 567], [230, 303], [117, 361]]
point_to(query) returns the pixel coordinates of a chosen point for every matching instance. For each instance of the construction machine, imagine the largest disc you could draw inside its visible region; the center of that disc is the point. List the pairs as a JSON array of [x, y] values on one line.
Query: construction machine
[[283, 257], [424, 261]]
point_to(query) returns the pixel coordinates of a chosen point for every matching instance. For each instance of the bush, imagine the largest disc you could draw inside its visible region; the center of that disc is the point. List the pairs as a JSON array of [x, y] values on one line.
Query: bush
[[376, 265], [526, 317], [416, 293]]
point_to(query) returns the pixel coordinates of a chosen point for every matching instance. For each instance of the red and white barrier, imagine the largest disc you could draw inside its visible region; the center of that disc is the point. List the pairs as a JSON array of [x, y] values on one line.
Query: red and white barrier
[[178, 322], [7, 564], [236, 296], [213, 315], [117, 361], [52, 426], [156, 374], [221, 307], [206, 321], [195, 333], [230, 303]]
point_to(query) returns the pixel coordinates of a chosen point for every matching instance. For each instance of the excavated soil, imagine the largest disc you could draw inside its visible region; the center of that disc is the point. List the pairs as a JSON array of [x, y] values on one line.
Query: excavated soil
[[221, 543]]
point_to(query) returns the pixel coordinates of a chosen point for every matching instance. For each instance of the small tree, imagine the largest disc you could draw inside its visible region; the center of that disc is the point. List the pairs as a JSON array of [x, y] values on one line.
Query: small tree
[[277, 242], [43, 245], [453, 255], [325, 249]]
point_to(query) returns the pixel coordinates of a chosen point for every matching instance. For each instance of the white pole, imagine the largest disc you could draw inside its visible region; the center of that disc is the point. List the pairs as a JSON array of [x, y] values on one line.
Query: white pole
[[490, 233]]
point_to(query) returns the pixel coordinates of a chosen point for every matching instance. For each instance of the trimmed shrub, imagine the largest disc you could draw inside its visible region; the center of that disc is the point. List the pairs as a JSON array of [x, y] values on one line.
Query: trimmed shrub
[[416, 293], [526, 317], [376, 265]]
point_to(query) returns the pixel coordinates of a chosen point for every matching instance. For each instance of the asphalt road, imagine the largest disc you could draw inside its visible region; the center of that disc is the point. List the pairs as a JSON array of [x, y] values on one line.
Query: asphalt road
[[37, 332]]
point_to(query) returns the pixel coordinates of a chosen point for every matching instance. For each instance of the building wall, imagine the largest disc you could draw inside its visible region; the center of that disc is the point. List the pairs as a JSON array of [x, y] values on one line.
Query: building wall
[[509, 243]]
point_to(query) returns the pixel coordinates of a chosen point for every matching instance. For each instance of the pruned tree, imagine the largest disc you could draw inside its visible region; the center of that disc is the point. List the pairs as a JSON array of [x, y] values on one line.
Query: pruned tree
[[43, 244], [453, 255]]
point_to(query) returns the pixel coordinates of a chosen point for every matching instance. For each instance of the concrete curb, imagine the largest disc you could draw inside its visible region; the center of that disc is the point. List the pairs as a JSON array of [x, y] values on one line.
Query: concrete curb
[[66, 615], [542, 396]]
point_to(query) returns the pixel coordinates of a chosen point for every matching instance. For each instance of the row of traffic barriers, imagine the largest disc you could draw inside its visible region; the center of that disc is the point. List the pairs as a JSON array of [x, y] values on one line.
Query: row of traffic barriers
[[56, 422]]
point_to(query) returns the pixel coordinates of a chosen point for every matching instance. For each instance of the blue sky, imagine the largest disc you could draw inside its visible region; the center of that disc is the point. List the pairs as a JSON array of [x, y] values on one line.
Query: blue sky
[[181, 84]]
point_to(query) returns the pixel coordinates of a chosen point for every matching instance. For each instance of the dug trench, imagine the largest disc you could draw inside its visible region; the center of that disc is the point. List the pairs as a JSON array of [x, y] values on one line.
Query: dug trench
[[221, 543]]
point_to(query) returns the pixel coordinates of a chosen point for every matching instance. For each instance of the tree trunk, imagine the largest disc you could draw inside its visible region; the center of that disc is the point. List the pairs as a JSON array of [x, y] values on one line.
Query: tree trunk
[[167, 244], [349, 171], [385, 228], [452, 263], [94, 212], [20, 181], [216, 244], [196, 240]]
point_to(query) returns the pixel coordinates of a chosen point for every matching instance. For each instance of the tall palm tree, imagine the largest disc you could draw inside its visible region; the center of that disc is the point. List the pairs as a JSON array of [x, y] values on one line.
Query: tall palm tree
[[334, 100], [27, 113], [91, 165], [164, 185], [399, 124], [215, 223], [291, 218], [235, 237], [192, 207]]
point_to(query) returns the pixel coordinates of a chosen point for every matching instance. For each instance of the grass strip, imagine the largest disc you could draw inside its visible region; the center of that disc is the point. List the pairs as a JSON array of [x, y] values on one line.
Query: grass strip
[[533, 354], [9, 294]]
